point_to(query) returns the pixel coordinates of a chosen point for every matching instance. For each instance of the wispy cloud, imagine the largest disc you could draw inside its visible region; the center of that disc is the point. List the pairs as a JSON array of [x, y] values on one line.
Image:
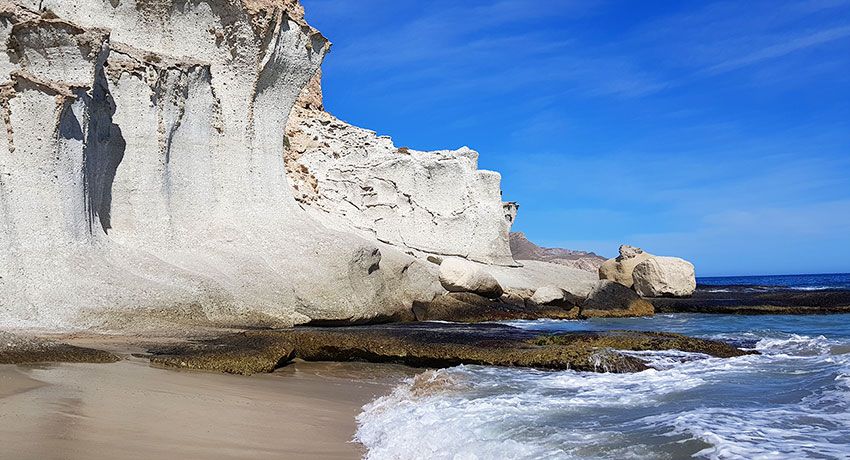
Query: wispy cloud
[[493, 46], [784, 47], [716, 130], [722, 36]]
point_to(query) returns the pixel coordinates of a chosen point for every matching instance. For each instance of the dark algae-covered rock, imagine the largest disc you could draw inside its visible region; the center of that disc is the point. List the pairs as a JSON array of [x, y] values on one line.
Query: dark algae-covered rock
[[757, 300], [465, 307], [643, 341], [16, 349], [610, 299], [246, 353], [434, 345]]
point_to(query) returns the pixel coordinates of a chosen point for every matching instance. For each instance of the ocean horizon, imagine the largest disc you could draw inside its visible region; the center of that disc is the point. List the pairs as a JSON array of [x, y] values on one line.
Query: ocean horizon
[[799, 281]]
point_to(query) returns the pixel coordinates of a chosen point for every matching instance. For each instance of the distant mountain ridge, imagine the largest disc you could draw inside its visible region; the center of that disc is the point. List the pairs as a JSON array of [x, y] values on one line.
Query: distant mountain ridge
[[523, 249]]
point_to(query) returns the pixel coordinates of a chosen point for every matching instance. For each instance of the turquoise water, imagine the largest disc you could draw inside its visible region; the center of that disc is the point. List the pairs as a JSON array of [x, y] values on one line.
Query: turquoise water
[[791, 401]]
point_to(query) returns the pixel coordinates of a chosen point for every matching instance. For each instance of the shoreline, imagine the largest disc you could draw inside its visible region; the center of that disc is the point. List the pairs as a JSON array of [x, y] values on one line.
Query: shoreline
[[130, 409]]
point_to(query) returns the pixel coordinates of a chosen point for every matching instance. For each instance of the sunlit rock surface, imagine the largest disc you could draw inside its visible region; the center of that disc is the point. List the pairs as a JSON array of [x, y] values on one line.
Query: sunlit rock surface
[[142, 176], [426, 203]]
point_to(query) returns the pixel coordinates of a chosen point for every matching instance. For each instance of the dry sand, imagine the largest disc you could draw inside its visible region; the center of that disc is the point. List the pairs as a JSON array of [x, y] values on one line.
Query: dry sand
[[129, 410]]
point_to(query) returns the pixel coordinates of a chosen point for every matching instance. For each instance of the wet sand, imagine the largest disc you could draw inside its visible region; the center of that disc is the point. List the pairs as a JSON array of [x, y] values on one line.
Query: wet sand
[[129, 410]]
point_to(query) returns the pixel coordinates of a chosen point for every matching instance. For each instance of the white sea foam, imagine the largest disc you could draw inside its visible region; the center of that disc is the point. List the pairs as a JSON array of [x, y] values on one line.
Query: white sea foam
[[815, 288], [688, 405], [792, 431]]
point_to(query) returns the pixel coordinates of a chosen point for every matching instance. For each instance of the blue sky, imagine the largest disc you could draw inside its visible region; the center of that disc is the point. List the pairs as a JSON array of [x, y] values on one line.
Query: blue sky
[[714, 131]]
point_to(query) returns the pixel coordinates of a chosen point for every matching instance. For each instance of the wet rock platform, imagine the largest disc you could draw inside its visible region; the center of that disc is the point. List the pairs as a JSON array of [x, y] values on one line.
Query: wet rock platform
[[18, 349], [431, 345], [758, 300]]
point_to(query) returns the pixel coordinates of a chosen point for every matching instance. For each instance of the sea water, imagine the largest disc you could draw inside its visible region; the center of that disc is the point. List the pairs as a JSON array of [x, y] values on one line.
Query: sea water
[[794, 282], [791, 401]]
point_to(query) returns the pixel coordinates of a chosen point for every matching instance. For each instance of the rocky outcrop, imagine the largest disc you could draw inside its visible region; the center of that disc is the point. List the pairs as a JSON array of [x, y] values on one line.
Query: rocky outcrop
[[610, 299], [142, 176], [665, 277], [425, 203], [458, 275], [656, 277], [17, 349], [433, 345], [511, 209], [621, 268], [523, 249]]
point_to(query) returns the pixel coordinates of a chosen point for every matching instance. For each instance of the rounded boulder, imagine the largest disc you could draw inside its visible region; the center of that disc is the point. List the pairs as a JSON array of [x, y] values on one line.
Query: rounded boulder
[[665, 277], [458, 275]]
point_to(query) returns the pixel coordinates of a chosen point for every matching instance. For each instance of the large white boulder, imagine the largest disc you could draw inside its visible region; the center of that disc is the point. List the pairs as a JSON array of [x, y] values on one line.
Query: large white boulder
[[548, 295], [620, 269], [665, 277], [458, 275]]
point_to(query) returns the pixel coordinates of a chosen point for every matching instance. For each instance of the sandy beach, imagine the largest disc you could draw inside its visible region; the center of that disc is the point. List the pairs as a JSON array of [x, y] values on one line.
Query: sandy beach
[[130, 410]]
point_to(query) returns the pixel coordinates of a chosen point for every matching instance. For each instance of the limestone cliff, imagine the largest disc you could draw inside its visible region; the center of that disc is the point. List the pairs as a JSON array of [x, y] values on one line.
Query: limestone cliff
[[142, 175], [146, 181], [425, 203]]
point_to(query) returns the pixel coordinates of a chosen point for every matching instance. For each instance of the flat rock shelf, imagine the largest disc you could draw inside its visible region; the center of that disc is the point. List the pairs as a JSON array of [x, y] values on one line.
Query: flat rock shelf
[[436, 345], [757, 300]]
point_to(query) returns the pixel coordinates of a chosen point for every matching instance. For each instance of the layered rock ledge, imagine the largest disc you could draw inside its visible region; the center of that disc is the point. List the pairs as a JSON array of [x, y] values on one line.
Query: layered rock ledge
[[18, 349], [432, 345]]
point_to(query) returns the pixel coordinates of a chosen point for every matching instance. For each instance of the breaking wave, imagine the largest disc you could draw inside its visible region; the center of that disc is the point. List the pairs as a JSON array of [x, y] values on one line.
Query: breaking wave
[[791, 401]]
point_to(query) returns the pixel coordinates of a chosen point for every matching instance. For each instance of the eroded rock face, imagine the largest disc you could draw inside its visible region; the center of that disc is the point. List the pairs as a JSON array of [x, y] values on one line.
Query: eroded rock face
[[426, 203], [535, 274], [138, 184], [143, 179], [665, 277]]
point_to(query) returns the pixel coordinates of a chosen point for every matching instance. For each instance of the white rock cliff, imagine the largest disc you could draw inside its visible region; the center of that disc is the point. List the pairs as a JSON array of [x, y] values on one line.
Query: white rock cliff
[[138, 184], [157, 172], [425, 203]]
